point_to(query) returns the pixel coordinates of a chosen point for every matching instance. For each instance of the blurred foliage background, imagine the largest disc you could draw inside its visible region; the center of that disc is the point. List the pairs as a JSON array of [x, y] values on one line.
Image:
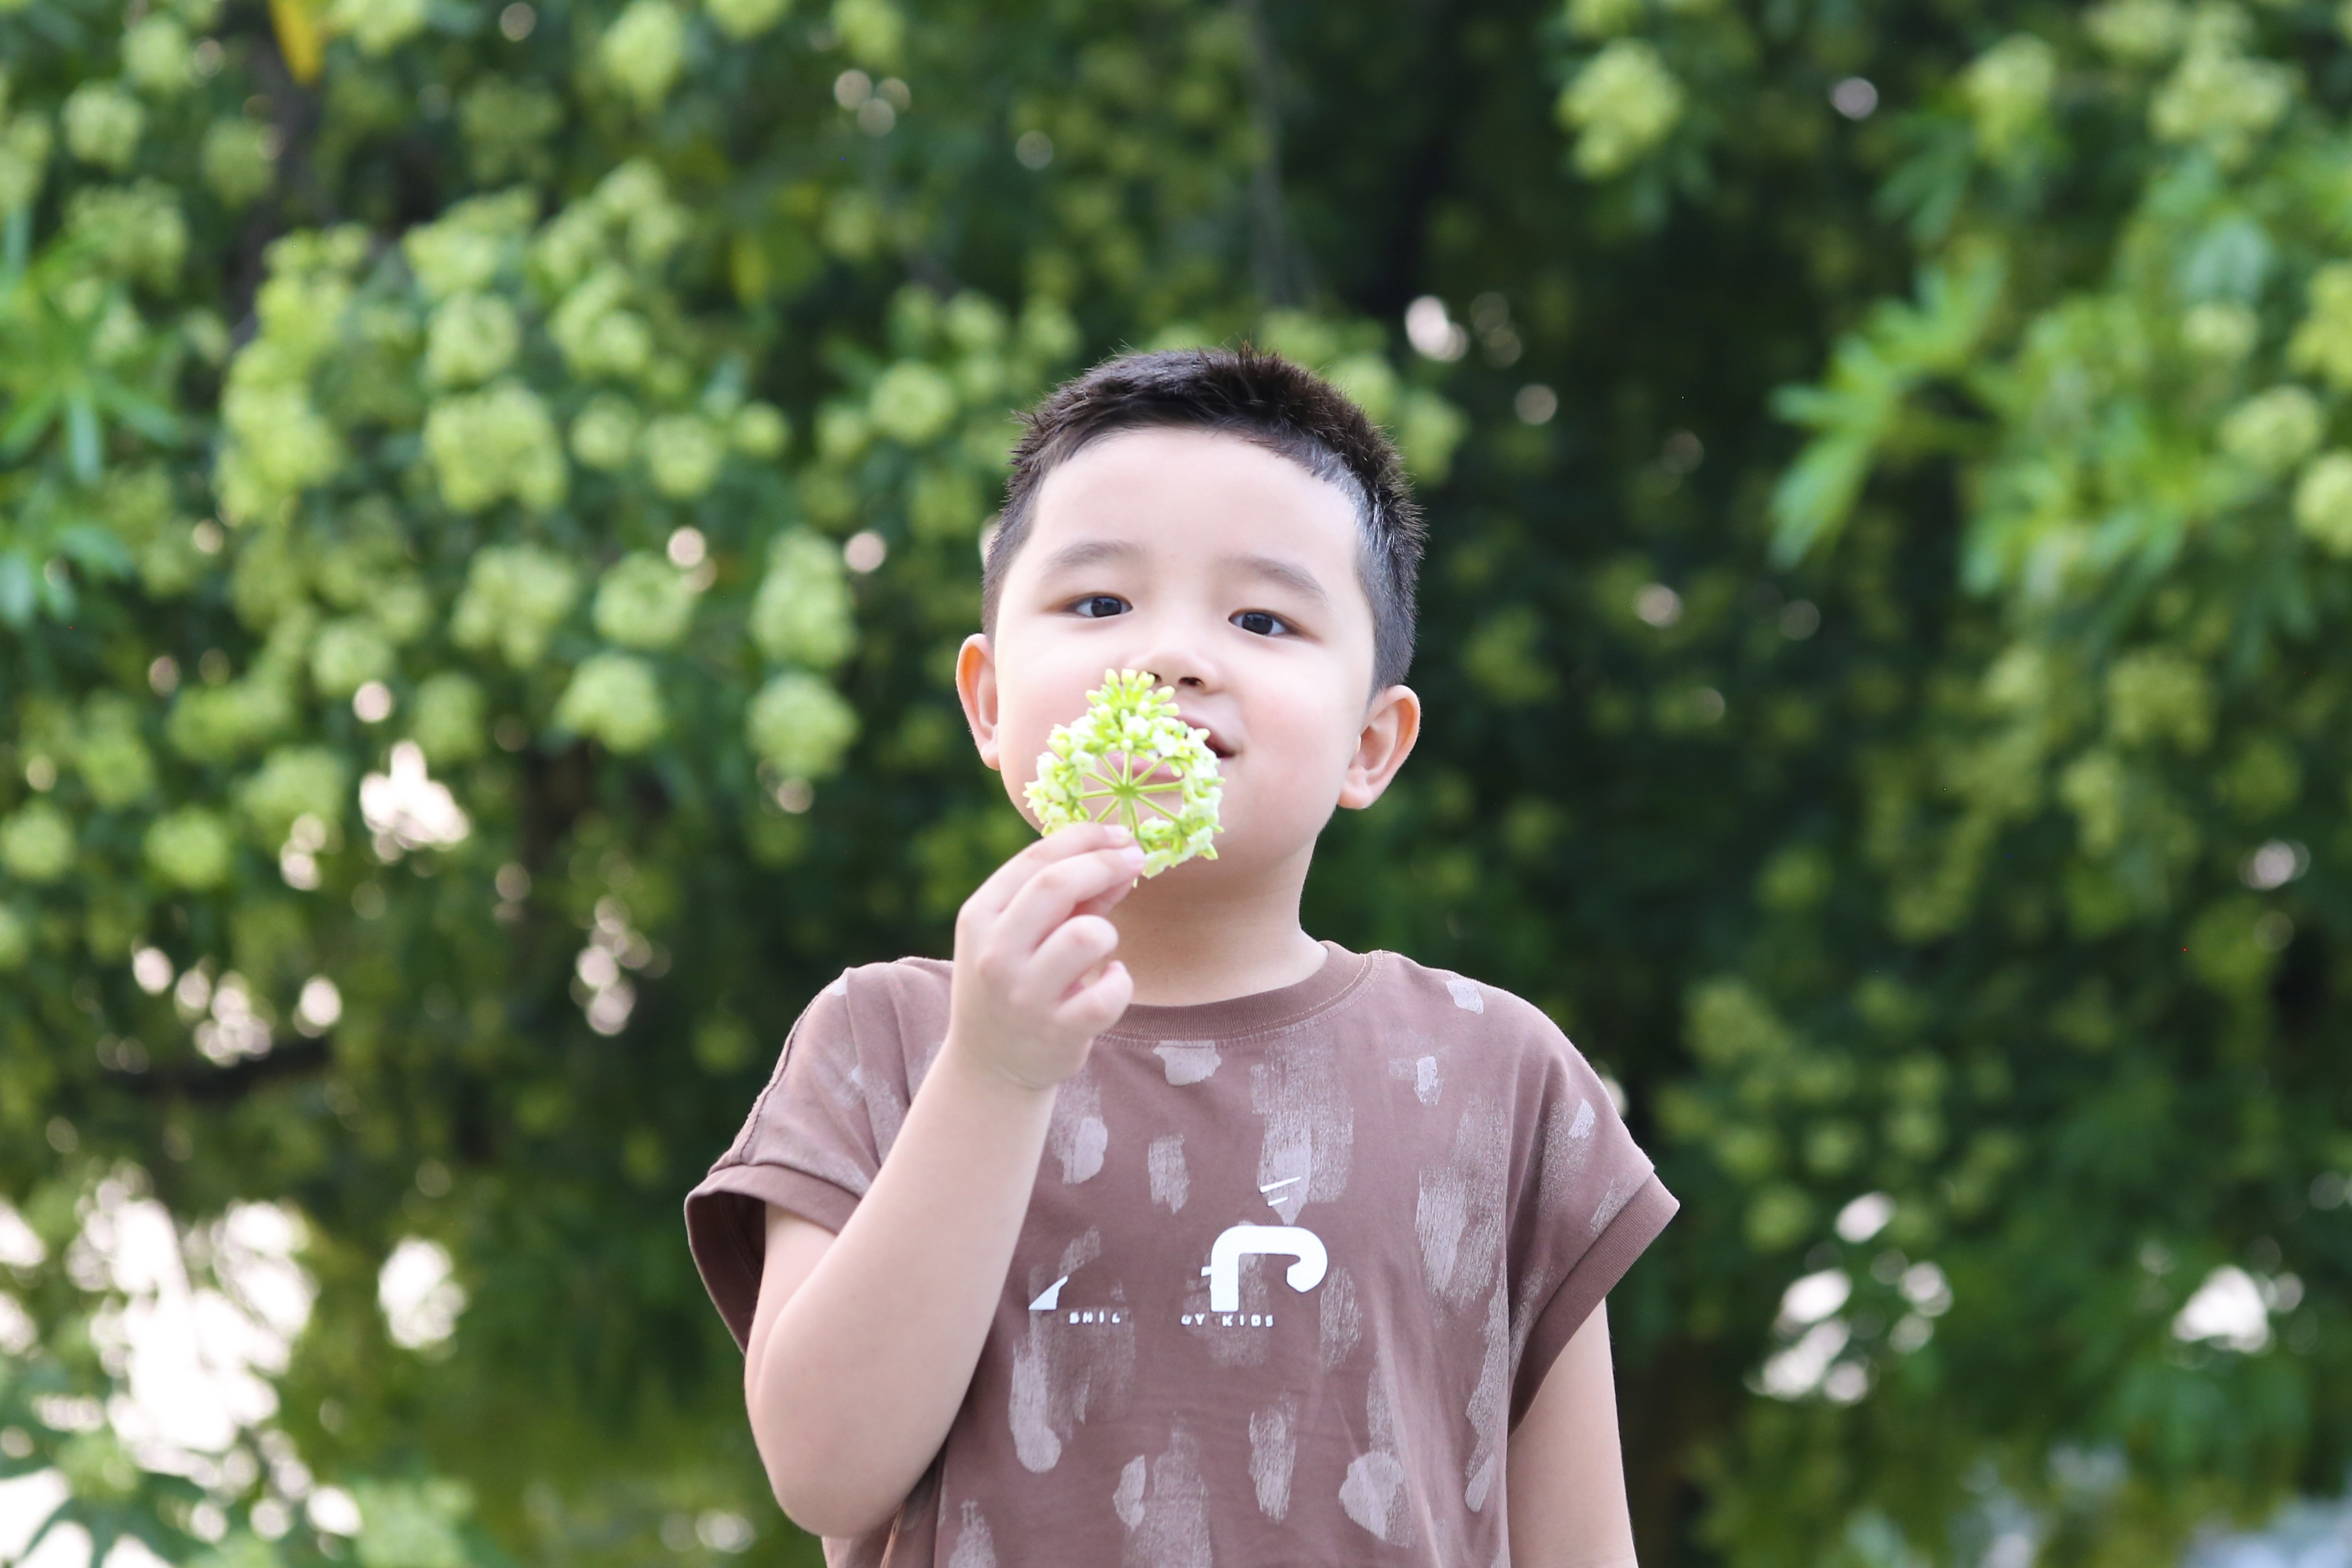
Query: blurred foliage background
[[487, 497]]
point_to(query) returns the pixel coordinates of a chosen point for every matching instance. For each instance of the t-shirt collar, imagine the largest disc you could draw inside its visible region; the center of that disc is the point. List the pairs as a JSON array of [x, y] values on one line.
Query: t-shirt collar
[[1264, 1013]]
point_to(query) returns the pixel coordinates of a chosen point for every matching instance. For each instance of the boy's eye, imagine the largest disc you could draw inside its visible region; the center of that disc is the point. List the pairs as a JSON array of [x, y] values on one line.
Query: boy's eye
[[1259, 623], [1096, 605]]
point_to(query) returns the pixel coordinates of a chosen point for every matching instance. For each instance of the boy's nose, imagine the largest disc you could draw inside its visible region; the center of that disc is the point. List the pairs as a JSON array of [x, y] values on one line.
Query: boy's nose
[[1184, 671]]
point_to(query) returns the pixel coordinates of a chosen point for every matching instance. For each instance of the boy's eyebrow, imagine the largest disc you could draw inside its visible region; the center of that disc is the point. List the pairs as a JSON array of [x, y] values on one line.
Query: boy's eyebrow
[[1298, 579], [1088, 552]]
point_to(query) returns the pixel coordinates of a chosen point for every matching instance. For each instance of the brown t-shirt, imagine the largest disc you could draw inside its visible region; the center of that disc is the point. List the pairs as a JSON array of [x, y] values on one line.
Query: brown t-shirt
[[1294, 1265]]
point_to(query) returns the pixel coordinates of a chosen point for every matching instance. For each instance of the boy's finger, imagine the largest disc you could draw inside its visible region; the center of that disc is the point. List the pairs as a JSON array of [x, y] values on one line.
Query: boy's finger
[[1050, 896], [1102, 903], [1008, 880], [1070, 954], [1099, 1003]]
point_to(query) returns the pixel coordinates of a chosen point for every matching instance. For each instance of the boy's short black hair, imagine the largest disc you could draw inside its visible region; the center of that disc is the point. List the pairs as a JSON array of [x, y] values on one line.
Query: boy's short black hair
[[1265, 399]]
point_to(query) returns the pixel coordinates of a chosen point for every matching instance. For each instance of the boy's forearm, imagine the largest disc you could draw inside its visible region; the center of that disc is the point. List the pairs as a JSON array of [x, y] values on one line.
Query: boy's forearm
[[852, 1387]]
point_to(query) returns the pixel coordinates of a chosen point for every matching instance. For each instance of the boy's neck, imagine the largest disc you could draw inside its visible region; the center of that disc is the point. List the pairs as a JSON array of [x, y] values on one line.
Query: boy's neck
[[1215, 937]]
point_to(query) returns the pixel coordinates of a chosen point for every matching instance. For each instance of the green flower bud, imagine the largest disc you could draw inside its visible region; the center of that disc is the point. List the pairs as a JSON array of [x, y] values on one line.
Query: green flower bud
[[505, 123], [597, 336], [842, 432], [631, 189], [1428, 429], [644, 602], [190, 848], [239, 159], [269, 581], [569, 246], [301, 317], [1621, 105], [683, 454], [461, 253], [802, 613], [214, 724], [604, 436], [472, 338], [873, 31], [156, 55], [613, 698], [2220, 331], [2272, 432], [2156, 694], [945, 503], [137, 230], [2323, 343], [854, 224], [973, 322], [403, 609], [2219, 97], [761, 431], [644, 49], [379, 26], [2136, 30], [2323, 502], [348, 654], [1371, 380], [104, 125], [281, 445], [1602, 18], [493, 443], [36, 843], [446, 719], [24, 158], [800, 725], [746, 18], [514, 598], [2007, 90], [16, 938], [295, 782], [113, 759], [170, 564], [911, 403]]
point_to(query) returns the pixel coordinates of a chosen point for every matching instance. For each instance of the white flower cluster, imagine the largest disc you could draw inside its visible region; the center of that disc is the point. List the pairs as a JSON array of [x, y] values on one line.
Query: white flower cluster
[[1131, 760]]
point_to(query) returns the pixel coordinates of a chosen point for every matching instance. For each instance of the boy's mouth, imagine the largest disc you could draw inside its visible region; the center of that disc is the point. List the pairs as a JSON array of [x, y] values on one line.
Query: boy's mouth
[[1217, 746]]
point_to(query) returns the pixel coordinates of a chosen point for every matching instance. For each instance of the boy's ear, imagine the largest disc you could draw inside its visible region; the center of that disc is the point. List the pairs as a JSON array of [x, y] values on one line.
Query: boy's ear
[[1391, 728], [975, 679]]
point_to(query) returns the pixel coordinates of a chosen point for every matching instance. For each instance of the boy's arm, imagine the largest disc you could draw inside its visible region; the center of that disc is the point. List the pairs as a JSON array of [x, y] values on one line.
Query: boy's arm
[[864, 1344], [1565, 1477]]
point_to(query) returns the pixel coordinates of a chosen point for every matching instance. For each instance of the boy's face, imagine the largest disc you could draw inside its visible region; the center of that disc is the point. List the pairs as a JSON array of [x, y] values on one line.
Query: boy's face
[[1230, 574]]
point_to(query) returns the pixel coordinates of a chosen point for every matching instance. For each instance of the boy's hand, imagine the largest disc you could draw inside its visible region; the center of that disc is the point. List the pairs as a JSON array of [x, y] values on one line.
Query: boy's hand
[[1034, 979]]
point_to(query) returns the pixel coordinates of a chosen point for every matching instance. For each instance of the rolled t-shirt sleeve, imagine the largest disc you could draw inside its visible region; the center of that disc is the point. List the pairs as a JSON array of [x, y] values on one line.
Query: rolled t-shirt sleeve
[[809, 1146], [1591, 1205]]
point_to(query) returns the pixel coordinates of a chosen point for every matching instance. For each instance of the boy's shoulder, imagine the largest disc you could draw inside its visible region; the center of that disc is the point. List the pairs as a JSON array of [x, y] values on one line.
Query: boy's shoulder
[[893, 976], [905, 998], [1399, 992]]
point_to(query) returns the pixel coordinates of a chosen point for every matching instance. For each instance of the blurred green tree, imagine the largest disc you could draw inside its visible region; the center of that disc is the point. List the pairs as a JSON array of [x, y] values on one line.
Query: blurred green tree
[[488, 496]]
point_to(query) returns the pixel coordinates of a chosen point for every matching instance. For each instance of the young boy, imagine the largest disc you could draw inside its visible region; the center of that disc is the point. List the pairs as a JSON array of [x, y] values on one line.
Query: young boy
[[1151, 1230]]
